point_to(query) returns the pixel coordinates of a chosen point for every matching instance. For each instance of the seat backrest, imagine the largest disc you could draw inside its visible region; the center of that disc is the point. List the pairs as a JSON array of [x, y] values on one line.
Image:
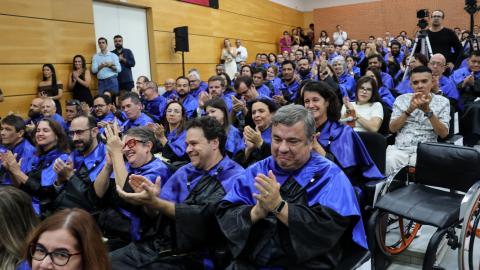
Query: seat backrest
[[448, 166], [376, 145], [387, 114]]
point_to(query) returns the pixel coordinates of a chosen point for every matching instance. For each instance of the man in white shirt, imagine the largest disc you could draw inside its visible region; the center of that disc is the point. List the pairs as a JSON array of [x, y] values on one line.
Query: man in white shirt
[[241, 52], [340, 36]]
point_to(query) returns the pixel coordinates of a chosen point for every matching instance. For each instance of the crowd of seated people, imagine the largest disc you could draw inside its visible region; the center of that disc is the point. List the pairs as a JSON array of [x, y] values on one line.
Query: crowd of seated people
[[261, 167]]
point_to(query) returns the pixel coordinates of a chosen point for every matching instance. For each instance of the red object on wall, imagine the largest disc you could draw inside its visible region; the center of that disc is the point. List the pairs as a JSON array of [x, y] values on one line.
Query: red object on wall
[[198, 2]]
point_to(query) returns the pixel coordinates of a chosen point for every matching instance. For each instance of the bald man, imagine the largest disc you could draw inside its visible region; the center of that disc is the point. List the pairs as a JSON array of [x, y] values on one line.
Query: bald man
[[35, 111], [442, 84], [169, 89], [50, 110]]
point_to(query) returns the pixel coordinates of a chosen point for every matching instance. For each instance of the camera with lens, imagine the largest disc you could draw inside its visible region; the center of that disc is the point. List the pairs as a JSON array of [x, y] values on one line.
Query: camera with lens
[[421, 15]]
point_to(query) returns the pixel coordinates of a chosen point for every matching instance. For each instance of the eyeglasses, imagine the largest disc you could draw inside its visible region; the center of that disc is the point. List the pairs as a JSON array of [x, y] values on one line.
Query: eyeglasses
[[365, 89], [132, 143], [78, 132], [99, 106], [73, 102], [58, 257]]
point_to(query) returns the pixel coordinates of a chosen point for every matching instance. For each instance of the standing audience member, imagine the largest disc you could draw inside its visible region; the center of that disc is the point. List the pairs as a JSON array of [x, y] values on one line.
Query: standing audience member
[[444, 40], [71, 240], [50, 86], [127, 62], [340, 36], [18, 220], [285, 43], [241, 54], [79, 81], [106, 66], [228, 56]]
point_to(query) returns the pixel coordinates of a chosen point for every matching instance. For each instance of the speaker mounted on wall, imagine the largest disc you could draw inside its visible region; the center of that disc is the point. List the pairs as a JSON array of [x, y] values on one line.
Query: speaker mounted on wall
[[207, 3], [181, 39]]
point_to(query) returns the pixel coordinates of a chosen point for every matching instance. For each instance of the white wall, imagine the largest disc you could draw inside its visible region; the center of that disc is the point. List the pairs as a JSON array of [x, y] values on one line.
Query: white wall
[[131, 24], [309, 5]]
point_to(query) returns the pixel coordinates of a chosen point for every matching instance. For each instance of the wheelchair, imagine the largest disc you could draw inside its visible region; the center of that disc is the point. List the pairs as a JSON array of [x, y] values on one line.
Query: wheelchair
[[443, 190]]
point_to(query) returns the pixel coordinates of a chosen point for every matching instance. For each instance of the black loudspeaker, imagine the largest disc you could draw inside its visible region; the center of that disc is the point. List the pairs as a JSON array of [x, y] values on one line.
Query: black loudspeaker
[[181, 39], [213, 4]]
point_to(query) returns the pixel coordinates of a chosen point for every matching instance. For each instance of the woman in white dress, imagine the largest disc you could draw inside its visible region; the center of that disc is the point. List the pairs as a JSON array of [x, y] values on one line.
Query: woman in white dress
[[228, 56]]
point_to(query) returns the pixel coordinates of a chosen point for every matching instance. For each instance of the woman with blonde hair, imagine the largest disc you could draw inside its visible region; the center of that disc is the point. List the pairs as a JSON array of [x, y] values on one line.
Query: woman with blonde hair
[[228, 57]]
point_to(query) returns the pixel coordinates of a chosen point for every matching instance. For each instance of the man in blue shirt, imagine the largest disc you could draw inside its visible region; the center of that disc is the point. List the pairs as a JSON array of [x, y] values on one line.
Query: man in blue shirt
[[12, 132], [259, 76], [154, 103], [289, 87], [127, 61], [107, 66], [132, 107]]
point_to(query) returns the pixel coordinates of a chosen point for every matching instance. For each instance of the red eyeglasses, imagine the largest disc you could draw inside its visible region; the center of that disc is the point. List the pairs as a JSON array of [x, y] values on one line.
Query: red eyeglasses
[[132, 143]]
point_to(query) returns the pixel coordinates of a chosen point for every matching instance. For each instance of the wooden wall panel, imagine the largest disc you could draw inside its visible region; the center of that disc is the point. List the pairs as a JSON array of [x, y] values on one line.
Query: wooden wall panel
[[27, 40], [50, 9], [53, 31]]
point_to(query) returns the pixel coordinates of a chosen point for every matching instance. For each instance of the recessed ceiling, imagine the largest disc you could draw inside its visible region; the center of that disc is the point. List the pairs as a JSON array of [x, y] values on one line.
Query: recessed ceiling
[[309, 5]]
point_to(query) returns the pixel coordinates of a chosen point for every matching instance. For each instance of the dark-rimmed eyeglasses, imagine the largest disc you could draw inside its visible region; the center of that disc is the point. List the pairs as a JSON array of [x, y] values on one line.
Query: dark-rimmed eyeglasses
[[132, 143], [77, 132], [59, 257]]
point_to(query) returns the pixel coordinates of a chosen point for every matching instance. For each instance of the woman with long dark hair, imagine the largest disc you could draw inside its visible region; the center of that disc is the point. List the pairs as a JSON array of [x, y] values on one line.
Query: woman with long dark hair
[[79, 81], [50, 86], [336, 141]]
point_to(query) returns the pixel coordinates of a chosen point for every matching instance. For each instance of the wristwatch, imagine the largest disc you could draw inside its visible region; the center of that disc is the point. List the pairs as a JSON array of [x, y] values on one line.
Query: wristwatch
[[279, 208], [428, 114]]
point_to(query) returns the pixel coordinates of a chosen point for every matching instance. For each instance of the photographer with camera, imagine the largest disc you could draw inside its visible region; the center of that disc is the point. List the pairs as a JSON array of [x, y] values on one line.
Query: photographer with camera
[[443, 39]]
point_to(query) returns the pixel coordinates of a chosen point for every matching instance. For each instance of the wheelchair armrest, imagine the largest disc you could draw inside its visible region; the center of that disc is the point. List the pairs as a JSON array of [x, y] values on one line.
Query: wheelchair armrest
[[394, 181], [469, 199]]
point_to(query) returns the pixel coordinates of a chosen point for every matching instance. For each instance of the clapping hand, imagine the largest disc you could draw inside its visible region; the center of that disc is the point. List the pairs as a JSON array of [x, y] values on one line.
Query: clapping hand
[[63, 169], [145, 192], [114, 142], [269, 196]]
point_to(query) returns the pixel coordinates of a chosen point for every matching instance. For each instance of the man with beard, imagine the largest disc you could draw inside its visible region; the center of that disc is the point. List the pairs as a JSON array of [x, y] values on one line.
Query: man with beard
[[444, 40], [127, 61], [376, 61], [35, 111], [259, 77], [189, 102], [304, 69], [50, 110], [74, 185], [289, 86], [102, 112], [12, 132], [154, 103], [184, 234], [293, 210], [394, 58], [132, 107]]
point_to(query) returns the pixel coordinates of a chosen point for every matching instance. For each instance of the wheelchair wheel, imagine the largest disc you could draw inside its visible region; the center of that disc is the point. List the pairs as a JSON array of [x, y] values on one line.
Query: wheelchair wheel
[[397, 240], [470, 239]]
